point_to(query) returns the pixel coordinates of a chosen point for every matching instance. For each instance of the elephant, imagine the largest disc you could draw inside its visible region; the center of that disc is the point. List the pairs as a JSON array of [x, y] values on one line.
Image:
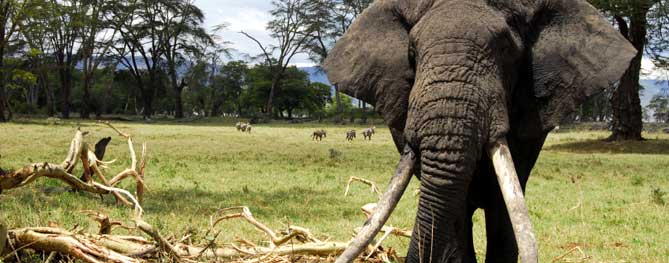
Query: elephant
[[469, 90]]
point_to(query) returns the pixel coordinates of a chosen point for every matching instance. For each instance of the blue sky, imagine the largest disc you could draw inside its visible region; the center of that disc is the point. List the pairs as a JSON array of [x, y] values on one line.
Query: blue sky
[[251, 16]]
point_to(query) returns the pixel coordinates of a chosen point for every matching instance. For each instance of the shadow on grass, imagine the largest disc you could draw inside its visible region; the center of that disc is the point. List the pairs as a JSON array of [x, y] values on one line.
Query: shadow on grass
[[292, 202], [650, 146]]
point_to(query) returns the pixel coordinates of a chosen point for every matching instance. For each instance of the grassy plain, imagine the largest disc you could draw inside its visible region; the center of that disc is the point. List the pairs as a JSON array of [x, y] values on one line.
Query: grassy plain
[[597, 196]]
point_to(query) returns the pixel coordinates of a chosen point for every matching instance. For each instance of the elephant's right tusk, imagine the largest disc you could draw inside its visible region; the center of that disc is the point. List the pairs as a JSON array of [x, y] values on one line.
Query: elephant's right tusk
[[515, 201], [386, 204]]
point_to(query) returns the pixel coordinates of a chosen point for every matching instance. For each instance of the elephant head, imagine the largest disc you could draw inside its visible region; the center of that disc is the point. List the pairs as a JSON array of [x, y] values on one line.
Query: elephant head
[[470, 89]]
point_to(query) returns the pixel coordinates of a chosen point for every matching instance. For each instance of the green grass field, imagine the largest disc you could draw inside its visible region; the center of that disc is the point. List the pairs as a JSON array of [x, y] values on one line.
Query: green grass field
[[583, 192]]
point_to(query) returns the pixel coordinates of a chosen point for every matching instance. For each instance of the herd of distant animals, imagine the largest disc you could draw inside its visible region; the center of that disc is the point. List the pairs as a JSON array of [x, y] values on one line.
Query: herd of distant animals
[[318, 135]]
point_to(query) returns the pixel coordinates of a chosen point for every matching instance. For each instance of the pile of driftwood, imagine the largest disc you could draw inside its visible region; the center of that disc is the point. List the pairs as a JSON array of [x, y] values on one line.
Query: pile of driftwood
[[293, 244]]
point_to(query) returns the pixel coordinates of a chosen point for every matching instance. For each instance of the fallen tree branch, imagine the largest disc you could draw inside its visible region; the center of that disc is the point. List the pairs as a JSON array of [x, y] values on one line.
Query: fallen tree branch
[[91, 165], [352, 179], [117, 248]]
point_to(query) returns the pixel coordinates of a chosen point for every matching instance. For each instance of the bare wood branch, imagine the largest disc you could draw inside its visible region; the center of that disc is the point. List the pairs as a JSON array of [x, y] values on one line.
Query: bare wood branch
[[352, 179]]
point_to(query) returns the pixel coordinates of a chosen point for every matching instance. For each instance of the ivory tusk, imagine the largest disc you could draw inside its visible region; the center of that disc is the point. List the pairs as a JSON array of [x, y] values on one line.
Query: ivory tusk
[[515, 201], [385, 206]]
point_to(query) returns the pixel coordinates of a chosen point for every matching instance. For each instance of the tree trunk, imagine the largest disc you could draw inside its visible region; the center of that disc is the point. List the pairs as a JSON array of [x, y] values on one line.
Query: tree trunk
[[625, 102], [49, 96], [178, 90], [272, 93], [65, 89], [3, 95], [86, 104], [147, 99], [178, 104], [2, 103], [338, 106]]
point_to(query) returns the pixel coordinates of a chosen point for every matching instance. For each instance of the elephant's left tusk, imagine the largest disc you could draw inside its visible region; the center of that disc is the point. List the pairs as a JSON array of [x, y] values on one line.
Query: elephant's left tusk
[[386, 204], [515, 201]]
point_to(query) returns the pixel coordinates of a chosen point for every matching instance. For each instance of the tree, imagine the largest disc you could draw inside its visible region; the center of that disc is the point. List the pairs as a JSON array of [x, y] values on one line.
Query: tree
[[97, 38], [230, 84], [12, 12], [659, 105], [141, 41], [327, 21], [633, 19], [35, 33], [64, 22], [181, 21], [286, 28], [299, 95]]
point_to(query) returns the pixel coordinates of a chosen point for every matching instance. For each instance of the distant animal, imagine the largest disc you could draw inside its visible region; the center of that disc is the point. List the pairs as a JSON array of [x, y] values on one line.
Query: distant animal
[[367, 133], [319, 135], [243, 127], [350, 135]]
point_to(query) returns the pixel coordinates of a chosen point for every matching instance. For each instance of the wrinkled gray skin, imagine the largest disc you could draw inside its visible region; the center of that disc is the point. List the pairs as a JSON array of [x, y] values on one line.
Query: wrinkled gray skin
[[451, 77], [350, 135], [367, 133]]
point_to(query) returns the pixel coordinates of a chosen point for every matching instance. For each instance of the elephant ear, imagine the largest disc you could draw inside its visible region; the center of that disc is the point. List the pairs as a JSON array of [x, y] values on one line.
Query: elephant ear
[[575, 53], [371, 62]]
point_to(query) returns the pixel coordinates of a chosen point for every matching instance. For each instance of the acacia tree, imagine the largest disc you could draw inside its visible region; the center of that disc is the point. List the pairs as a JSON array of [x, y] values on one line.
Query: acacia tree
[[286, 27], [183, 37], [12, 12], [138, 22], [633, 19], [97, 38], [63, 24], [35, 33]]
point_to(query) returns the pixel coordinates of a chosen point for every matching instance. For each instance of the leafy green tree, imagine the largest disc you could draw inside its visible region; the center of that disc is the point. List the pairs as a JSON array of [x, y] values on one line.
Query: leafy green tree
[[286, 28], [140, 47], [97, 38], [12, 13], [183, 36], [40, 50], [659, 105], [230, 85]]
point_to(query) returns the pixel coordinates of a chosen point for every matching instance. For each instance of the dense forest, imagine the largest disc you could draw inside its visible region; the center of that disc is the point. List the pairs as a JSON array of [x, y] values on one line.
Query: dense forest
[[154, 57]]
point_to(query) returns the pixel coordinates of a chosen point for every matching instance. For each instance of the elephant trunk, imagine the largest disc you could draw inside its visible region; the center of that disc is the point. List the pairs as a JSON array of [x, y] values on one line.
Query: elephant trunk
[[387, 203], [514, 200]]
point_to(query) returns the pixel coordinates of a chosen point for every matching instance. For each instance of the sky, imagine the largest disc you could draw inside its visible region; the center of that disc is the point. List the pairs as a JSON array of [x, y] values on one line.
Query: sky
[[252, 16]]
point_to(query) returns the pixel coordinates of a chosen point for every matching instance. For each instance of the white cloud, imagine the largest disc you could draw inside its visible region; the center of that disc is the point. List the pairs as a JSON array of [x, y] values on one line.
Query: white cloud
[[649, 71]]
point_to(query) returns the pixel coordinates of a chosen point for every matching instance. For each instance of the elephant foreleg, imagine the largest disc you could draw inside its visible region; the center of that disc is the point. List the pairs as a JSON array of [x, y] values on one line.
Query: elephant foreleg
[[501, 242]]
